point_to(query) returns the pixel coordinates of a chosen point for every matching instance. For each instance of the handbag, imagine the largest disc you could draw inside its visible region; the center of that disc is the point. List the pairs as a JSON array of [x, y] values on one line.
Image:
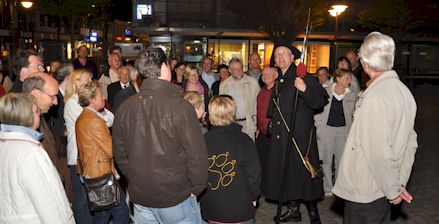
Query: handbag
[[103, 192]]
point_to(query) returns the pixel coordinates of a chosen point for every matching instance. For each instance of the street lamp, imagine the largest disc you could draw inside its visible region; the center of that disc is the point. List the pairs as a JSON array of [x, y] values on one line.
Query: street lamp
[[27, 4], [335, 12]]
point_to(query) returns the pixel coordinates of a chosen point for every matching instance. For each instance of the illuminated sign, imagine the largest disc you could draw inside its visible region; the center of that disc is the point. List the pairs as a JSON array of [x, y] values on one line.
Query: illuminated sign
[[128, 32], [143, 10]]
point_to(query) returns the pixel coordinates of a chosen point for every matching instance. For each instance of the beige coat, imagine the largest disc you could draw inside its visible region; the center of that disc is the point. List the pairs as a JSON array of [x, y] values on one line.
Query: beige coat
[[250, 90], [381, 146]]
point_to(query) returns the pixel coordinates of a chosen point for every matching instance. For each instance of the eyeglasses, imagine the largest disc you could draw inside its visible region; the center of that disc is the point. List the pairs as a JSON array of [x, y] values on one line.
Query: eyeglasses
[[52, 97]]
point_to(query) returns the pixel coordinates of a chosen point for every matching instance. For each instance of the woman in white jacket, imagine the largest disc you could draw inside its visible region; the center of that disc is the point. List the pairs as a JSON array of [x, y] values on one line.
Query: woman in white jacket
[[333, 124], [31, 190], [72, 110]]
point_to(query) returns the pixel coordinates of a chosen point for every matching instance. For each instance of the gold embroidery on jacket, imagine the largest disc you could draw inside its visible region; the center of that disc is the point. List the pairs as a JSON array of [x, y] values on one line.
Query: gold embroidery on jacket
[[221, 170]]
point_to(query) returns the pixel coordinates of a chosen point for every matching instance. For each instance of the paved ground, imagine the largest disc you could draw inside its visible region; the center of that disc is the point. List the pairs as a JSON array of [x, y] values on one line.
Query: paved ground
[[424, 182]]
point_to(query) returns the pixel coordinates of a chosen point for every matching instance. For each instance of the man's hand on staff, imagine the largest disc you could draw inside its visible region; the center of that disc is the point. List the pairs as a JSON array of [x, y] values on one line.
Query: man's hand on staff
[[404, 195], [300, 84]]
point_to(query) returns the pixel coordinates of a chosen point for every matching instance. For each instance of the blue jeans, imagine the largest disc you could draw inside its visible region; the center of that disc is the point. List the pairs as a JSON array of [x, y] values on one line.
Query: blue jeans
[[80, 201], [186, 212], [119, 213]]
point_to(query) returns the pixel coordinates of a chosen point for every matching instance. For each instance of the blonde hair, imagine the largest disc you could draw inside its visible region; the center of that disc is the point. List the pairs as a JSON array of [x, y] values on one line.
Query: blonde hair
[[340, 72], [16, 109], [87, 92], [222, 110], [195, 98], [188, 69], [76, 75]]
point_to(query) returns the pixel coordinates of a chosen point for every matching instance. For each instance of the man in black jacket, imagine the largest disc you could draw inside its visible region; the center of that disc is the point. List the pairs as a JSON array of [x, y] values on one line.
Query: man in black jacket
[[114, 88], [159, 147]]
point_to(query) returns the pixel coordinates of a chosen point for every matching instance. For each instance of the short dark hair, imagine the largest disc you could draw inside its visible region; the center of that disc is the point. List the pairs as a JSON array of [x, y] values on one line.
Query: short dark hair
[[35, 81], [149, 62], [21, 60], [343, 58], [324, 69], [88, 50], [115, 47], [221, 66], [62, 72]]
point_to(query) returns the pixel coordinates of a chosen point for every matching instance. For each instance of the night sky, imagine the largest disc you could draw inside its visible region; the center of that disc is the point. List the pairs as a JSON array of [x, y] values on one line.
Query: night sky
[[122, 9]]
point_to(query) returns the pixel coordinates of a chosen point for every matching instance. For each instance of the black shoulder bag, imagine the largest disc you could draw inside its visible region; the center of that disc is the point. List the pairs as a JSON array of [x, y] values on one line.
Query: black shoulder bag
[[103, 192]]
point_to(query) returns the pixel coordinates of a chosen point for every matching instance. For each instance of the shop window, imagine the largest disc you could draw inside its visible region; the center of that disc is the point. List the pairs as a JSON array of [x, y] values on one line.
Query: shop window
[[224, 50]]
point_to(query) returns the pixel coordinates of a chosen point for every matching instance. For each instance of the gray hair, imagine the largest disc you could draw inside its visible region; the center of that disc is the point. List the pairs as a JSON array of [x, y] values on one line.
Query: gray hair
[[16, 109], [235, 60], [35, 81], [378, 51], [62, 72]]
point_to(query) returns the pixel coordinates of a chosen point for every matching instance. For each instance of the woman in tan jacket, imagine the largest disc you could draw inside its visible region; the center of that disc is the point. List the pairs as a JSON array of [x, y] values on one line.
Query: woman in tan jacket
[[95, 147]]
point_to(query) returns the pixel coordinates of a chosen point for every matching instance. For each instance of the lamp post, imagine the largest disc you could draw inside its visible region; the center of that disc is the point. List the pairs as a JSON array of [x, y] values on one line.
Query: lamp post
[[335, 11], [15, 19]]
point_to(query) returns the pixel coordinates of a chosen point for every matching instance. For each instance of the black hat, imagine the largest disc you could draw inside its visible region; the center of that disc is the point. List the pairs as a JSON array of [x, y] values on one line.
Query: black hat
[[282, 42]]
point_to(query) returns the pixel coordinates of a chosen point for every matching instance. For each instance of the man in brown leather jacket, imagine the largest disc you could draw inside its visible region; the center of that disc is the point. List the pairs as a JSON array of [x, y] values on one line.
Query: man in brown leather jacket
[[159, 147]]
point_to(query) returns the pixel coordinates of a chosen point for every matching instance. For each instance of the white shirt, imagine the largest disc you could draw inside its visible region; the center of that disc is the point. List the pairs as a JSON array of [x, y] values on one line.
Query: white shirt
[[124, 86], [341, 96]]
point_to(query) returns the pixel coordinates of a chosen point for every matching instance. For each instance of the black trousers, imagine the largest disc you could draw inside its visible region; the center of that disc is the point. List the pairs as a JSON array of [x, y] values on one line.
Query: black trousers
[[374, 212], [263, 146]]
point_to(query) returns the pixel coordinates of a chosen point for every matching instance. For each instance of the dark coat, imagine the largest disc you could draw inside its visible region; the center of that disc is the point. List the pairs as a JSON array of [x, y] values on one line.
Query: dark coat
[[50, 145], [112, 91], [298, 184], [89, 65], [234, 175], [122, 95], [17, 86], [215, 88], [158, 146]]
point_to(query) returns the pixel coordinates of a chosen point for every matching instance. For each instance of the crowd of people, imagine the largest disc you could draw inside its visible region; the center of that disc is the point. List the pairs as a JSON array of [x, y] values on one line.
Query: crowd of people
[[194, 146]]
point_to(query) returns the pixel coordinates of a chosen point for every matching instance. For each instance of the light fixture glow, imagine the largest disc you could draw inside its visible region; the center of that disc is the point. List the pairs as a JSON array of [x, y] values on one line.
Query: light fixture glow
[[27, 4], [337, 10]]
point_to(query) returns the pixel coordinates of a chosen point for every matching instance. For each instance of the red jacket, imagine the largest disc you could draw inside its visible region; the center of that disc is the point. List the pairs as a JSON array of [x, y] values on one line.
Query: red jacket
[[263, 100]]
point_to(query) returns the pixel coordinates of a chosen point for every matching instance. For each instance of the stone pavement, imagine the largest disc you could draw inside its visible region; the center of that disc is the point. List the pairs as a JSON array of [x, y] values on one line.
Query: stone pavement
[[424, 182]]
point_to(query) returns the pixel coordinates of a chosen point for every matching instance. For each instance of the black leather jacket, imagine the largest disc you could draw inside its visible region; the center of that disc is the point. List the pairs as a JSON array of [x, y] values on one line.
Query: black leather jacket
[[159, 147]]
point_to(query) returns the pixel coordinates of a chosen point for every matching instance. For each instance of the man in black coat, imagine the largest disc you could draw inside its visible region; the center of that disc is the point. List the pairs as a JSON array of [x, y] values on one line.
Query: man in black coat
[[311, 96], [116, 87]]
